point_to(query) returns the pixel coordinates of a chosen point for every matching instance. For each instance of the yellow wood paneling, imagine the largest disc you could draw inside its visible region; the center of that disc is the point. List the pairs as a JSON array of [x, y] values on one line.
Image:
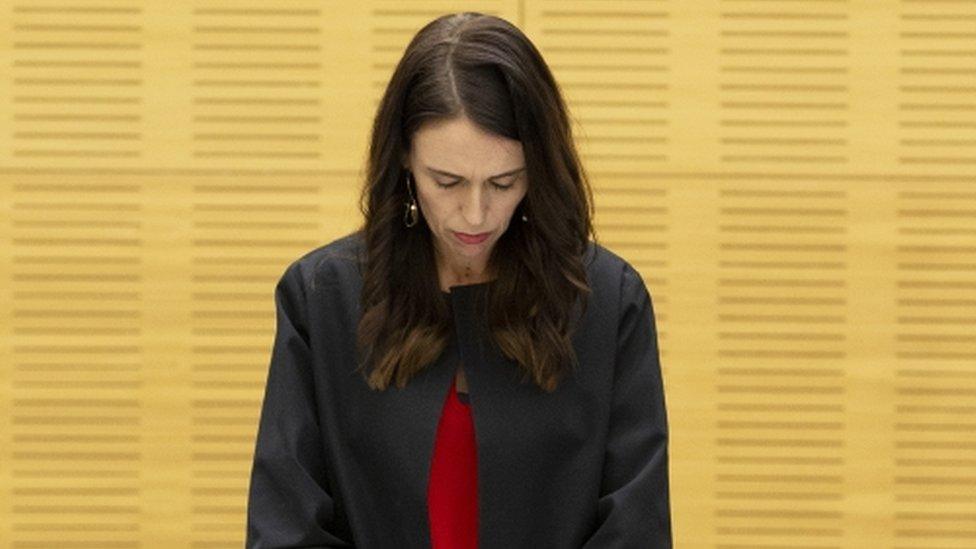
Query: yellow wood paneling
[[794, 180]]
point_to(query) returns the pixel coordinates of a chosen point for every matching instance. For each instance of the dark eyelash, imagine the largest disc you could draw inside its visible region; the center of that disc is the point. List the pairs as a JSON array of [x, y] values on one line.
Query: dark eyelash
[[496, 185]]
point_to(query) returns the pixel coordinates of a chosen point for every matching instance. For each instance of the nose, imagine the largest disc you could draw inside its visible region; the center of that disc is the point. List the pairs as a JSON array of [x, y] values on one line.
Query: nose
[[473, 207]]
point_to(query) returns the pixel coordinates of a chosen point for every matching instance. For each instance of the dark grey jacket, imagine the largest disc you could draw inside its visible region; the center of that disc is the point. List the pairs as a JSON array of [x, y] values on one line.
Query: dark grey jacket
[[337, 464]]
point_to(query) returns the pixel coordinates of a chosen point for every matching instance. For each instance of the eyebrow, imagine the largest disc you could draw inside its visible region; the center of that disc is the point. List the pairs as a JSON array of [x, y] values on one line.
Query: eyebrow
[[496, 176]]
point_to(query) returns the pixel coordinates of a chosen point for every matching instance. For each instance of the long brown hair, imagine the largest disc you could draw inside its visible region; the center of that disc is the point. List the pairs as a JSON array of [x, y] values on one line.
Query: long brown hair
[[485, 68]]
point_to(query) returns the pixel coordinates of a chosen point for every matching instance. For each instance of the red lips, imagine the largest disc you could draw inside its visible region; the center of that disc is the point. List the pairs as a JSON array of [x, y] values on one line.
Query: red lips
[[471, 238]]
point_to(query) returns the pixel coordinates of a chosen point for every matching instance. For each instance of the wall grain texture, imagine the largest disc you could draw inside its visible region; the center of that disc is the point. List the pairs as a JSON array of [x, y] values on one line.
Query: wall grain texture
[[796, 182]]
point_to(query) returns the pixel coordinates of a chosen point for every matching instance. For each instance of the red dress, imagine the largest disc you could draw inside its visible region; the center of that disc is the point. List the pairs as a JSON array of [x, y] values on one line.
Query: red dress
[[452, 495]]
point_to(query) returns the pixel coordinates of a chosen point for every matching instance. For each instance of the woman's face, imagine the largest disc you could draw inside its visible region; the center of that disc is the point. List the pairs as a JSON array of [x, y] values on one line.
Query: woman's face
[[468, 182]]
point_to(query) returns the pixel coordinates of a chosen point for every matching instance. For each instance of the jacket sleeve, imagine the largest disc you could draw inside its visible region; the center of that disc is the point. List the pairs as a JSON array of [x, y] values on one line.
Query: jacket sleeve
[[634, 508], [289, 501]]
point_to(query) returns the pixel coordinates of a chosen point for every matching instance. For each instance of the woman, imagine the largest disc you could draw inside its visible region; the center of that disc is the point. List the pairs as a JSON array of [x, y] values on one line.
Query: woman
[[468, 368]]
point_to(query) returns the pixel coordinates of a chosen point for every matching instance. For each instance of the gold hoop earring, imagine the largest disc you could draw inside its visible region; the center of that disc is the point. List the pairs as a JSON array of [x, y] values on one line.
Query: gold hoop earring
[[410, 213]]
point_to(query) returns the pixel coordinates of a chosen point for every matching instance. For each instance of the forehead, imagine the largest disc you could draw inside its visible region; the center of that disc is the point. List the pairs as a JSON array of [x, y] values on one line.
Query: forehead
[[457, 143]]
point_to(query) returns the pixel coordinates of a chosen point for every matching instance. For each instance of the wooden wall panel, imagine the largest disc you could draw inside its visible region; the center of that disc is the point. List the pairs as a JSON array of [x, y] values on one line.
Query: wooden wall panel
[[794, 180]]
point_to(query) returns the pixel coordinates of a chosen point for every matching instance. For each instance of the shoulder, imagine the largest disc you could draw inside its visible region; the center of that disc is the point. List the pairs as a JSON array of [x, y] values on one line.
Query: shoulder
[[330, 263], [611, 274]]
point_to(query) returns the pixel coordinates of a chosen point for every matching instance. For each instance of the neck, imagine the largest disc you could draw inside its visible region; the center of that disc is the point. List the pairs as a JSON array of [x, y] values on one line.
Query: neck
[[452, 274]]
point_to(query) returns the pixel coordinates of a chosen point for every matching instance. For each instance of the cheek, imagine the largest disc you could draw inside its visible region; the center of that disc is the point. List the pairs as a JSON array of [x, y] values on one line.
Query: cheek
[[513, 204], [428, 207]]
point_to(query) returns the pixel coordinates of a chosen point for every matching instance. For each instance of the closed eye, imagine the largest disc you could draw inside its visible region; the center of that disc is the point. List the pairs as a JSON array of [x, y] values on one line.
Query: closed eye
[[511, 177], [511, 182], [493, 184]]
